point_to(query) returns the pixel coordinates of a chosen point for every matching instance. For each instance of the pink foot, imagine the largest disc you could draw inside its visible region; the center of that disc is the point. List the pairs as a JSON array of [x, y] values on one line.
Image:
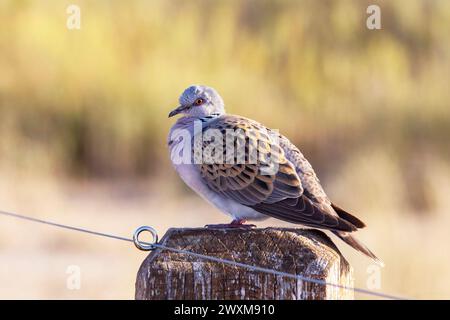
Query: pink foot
[[235, 224]]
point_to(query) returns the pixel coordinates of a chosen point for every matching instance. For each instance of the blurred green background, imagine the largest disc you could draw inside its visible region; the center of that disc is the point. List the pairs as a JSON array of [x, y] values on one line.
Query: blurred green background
[[84, 124]]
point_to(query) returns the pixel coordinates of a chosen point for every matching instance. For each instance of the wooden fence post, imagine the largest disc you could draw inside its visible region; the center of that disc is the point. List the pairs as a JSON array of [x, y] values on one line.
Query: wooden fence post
[[309, 253]]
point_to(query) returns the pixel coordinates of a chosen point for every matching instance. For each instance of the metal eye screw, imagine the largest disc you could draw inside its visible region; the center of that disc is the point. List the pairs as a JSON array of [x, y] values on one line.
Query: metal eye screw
[[145, 246]]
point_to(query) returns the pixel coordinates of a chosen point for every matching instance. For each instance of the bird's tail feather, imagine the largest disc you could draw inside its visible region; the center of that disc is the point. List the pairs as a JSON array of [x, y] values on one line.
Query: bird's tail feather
[[356, 244], [348, 216]]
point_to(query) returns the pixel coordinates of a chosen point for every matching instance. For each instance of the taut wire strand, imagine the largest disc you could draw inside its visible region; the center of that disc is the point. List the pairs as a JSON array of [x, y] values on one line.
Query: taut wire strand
[[205, 257]]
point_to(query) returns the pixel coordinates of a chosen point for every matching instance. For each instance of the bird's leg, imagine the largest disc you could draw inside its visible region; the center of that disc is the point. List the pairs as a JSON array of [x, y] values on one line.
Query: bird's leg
[[236, 224]]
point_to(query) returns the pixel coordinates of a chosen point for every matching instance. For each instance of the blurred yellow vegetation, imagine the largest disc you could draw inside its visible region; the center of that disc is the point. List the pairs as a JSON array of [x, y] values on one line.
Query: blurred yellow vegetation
[[93, 102], [369, 108]]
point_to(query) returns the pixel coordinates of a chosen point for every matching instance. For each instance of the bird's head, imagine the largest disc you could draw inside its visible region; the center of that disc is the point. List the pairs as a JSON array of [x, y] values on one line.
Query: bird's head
[[199, 101]]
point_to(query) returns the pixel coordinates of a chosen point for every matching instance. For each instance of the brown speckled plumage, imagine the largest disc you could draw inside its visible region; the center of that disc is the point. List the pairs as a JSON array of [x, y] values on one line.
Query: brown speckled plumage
[[291, 193]]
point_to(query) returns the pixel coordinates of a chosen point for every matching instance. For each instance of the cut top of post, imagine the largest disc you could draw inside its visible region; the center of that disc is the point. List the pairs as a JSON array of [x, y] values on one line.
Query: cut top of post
[[307, 253]]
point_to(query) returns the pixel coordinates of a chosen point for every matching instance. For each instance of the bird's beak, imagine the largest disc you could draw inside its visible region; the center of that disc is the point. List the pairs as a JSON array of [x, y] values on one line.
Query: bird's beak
[[177, 110]]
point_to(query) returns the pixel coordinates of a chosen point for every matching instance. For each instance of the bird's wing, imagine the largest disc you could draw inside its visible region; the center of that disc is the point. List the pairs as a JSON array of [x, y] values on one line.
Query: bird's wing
[[279, 194], [312, 189], [236, 172], [311, 184]]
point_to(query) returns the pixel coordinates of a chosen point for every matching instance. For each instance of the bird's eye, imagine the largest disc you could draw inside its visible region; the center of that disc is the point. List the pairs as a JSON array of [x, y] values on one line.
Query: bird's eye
[[199, 101]]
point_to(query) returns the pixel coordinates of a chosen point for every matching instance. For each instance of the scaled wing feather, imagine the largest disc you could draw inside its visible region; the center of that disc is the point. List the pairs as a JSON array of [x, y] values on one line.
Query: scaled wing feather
[[291, 193]]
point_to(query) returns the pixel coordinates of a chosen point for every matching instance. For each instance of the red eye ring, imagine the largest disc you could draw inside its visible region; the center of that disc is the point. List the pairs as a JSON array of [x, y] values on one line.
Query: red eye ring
[[198, 101]]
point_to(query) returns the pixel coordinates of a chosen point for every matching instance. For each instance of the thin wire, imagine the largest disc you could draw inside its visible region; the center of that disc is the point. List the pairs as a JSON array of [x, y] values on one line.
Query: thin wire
[[280, 273], [205, 257], [20, 216]]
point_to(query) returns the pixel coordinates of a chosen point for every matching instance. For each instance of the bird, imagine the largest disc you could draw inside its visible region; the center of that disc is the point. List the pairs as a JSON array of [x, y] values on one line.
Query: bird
[[251, 175]]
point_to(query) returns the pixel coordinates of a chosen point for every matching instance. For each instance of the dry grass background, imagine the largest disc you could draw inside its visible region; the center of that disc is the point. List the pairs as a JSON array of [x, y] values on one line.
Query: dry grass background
[[83, 126]]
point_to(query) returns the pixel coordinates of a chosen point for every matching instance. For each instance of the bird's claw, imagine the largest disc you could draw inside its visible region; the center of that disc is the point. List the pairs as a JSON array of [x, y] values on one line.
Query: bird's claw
[[235, 224]]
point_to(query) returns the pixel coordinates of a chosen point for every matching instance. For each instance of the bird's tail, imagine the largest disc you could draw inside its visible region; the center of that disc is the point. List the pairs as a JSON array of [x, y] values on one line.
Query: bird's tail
[[356, 244]]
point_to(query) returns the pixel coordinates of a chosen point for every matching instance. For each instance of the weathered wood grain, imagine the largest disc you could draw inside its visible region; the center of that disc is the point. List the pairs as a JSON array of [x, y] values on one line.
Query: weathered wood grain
[[310, 253]]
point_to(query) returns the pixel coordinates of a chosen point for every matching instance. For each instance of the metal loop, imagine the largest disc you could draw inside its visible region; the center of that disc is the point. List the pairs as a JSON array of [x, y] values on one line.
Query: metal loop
[[145, 246]]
